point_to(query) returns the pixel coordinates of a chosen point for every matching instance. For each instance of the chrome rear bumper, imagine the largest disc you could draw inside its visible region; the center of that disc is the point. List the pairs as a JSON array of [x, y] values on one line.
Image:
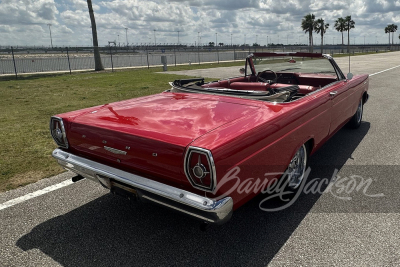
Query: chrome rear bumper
[[206, 209]]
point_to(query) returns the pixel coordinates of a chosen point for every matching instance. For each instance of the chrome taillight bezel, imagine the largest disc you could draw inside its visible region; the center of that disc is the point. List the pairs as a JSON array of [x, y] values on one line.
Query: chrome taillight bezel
[[64, 143], [211, 164]]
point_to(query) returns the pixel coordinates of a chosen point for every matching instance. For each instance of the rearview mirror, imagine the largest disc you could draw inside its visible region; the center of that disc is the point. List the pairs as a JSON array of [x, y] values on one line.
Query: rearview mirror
[[241, 70], [349, 76]]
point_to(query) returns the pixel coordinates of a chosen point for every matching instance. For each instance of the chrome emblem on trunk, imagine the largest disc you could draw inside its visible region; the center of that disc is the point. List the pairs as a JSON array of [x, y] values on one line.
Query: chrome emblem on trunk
[[115, 151]]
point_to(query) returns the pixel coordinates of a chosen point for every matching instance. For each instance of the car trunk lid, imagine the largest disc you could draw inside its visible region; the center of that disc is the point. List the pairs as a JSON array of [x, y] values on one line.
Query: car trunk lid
[[150, 134]]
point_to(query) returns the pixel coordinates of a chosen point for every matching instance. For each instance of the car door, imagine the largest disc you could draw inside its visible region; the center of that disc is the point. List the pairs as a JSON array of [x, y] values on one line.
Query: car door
[[339, 95]]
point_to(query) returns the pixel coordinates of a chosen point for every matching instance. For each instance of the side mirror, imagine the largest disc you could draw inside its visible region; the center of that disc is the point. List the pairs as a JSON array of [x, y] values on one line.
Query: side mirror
[[241, 70], [349, 76]]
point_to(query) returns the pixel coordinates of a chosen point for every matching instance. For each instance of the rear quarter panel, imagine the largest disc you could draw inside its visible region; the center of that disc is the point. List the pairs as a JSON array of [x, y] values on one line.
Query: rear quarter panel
[[358, 86], [265, 142]]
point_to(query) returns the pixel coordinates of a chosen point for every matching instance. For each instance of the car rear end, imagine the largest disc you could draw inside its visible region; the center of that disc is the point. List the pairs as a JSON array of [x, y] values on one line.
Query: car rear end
[[146, 154]]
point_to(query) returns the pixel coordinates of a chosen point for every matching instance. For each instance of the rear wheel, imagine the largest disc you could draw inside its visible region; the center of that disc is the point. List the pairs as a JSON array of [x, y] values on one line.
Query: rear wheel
[[355, 121], [297, 167]]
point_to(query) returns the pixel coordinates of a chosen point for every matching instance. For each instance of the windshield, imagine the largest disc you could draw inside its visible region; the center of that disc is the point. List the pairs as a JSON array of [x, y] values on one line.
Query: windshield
[[287, 64]]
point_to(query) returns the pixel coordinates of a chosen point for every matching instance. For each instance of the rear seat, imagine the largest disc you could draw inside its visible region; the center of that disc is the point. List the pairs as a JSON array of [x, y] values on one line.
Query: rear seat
[[252, 86], [257, 86], [226, 83], [303, 89]]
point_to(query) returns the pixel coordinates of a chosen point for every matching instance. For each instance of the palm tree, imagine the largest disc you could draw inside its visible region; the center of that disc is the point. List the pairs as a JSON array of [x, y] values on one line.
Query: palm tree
[[349, 25], [97, 59], [393, 29], [308, 24], [340, 26], [321, 27], [387, 30]]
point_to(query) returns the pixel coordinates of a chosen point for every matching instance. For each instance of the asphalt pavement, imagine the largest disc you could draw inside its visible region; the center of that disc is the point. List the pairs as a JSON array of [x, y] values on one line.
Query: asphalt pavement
[[83, 225]]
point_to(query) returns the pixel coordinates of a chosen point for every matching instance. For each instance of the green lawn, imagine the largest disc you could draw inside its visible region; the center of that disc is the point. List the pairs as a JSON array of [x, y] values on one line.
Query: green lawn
[[27, 104]]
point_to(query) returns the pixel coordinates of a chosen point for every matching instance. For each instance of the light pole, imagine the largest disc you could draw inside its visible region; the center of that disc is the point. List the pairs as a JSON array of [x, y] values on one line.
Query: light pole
[[119, 44], [267, 41], [51, 38], [155, 40], [198, 38], [256, 39], [216, 39], [231, 39], [178, 37], [244, 39], [126, 35]]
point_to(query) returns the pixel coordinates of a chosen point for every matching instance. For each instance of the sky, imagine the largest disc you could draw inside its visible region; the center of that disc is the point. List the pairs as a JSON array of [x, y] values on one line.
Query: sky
[[25, 22]]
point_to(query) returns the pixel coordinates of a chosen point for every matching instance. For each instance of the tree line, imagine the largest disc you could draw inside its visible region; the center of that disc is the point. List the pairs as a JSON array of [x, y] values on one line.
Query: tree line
[[309, 25], [392, 28]]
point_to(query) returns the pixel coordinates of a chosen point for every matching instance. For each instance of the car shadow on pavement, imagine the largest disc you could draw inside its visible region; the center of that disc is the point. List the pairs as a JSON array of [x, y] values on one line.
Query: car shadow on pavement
[[111, 231]]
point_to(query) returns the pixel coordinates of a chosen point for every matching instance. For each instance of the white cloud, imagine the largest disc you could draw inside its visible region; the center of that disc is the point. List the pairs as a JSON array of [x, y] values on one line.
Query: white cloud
[[82, 5], [65, 30], [71, 23], [27, 12], [76, 18]]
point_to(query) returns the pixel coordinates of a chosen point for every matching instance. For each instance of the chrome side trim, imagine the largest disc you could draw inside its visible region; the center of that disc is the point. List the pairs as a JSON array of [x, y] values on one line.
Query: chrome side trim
[[216, 211]]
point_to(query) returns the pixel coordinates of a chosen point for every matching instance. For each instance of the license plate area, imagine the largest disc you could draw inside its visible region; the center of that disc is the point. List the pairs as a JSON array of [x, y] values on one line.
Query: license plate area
[[127, 188], [117, 187]]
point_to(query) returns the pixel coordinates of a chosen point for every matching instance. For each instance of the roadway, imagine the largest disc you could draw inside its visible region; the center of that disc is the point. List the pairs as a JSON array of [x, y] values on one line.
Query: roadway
[[83, 225]]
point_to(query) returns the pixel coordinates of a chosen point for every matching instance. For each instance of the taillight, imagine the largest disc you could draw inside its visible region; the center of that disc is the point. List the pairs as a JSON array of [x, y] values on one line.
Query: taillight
[[58, 132], [200, 168]]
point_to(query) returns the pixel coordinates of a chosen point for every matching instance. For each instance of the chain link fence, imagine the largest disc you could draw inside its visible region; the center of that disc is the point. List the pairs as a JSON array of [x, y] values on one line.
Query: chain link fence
[[19, 61]]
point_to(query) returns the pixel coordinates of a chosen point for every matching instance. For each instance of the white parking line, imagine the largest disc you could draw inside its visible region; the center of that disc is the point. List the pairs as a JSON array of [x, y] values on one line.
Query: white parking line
[[46, 190], [384, 70]]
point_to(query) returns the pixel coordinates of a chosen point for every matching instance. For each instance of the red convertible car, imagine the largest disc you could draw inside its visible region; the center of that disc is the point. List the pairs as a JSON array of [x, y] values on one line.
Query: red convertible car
[[190, 147]]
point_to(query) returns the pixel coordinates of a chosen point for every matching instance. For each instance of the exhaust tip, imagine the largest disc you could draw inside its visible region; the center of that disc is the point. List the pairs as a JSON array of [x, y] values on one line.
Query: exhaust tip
[[77, 178]]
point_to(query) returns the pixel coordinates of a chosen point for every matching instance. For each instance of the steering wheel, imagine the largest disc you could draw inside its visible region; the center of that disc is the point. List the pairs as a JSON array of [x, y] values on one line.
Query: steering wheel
[[271, 74]]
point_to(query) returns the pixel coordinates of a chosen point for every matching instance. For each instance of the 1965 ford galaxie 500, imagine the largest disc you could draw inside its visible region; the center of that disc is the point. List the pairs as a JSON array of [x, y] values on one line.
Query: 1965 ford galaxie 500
[[175, 148]]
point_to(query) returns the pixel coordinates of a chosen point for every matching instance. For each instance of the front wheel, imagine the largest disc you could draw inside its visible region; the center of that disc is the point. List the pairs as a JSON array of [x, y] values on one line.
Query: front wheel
[[355, 121]]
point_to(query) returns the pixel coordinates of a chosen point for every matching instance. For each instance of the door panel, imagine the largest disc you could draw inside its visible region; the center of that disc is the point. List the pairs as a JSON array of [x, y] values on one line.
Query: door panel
[[341, 108]]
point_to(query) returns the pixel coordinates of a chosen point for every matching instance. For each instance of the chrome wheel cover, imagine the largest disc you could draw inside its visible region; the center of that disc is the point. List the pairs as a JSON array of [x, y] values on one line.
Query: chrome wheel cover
[[297, 167], [359, 112]]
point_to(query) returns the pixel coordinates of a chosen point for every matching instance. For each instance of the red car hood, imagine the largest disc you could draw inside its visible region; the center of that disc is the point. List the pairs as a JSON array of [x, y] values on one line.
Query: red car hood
[[172, 118]]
